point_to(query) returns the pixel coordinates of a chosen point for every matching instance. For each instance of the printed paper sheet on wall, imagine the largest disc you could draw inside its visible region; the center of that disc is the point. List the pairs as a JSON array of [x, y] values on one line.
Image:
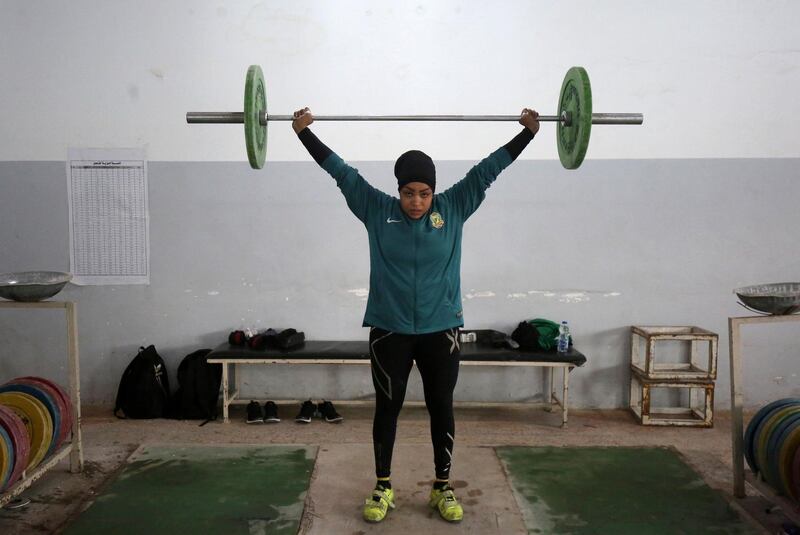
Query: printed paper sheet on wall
[[109, 230]]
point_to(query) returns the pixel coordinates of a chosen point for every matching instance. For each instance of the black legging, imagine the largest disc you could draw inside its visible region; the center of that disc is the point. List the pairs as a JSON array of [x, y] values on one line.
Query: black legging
[[437, 358]]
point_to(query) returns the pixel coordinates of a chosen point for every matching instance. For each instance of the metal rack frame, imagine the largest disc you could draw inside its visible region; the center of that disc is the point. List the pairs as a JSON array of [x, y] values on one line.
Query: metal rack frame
[[737, 396], [75, 447]]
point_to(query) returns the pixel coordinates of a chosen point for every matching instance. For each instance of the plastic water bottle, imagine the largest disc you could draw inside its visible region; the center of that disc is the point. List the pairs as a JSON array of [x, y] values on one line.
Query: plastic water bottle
[[563, 337]]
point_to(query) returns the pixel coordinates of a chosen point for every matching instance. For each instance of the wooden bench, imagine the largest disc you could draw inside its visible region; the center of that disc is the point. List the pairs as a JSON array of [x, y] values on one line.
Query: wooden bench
[[357, 352]]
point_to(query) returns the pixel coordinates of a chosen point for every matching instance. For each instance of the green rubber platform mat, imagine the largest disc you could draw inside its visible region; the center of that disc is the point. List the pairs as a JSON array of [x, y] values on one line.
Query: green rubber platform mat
[[204, 489], [622, 491]]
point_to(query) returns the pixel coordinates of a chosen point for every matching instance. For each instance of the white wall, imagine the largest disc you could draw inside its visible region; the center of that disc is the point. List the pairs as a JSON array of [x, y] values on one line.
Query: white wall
[[645, 242], [715, 79]]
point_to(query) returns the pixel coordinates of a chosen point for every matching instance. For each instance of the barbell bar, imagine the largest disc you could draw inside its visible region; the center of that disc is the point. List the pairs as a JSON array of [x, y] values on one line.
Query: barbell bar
[[574, 119], [234, 117]]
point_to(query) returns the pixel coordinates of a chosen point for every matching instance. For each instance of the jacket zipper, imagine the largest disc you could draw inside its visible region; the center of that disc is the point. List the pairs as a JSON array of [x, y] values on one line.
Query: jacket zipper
[[414, 315]]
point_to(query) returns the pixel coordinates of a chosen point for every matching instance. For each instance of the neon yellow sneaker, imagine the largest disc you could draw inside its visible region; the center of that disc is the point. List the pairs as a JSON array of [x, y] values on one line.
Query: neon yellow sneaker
[[378, 504], [445, 501]]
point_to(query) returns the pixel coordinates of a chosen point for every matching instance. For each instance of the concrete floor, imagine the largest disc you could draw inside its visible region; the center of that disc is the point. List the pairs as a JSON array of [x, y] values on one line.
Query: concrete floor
[[343, 474]]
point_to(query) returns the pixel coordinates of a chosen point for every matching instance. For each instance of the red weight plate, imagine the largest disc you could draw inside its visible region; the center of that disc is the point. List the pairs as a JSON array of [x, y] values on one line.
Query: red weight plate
[[65, 426], [37, 421], [70, 418], [46, 398], [15, 428], [6, 458]]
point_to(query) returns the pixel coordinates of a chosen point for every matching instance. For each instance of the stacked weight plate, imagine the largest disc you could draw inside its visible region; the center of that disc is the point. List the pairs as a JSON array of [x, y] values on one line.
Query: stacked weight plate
[[35, 420], [772, 445]]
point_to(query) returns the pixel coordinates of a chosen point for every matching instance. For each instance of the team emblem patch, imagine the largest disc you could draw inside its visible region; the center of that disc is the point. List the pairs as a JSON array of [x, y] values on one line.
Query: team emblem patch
[[436, 220]]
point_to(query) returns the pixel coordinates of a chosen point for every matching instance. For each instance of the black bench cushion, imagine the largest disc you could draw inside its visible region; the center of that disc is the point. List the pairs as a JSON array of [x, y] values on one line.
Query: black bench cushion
[[358, 350]]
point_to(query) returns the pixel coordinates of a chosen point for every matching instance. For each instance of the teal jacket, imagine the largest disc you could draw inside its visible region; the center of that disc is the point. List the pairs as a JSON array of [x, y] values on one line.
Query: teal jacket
[[415, 265]]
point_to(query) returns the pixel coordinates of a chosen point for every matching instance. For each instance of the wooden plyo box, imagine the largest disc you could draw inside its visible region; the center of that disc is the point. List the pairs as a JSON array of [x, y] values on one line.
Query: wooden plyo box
[[700, 364]]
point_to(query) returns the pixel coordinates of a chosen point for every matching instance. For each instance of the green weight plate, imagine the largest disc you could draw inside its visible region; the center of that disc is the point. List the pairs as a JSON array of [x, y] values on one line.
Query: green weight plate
[[771, 422], [576, 100], [765, 430], [774, 445], [794, 480], [762, 417], [37, 422], [753, 427], [255, 101], [6, 458], [785, 457]]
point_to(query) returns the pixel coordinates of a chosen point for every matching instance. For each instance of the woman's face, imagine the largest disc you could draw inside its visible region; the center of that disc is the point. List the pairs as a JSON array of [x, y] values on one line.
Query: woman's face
[[416, 199]]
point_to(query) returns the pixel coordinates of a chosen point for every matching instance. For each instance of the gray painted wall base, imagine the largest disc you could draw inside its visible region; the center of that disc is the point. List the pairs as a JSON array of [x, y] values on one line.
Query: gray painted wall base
[[610, 245]]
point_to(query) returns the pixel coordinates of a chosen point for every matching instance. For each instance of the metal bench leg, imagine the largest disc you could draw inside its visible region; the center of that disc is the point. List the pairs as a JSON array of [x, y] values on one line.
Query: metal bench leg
[[548, 396], [225, 390], [565, 397]]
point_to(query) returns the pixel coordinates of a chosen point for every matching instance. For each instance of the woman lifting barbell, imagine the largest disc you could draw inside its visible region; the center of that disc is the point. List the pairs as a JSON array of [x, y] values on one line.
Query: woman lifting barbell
[[414, 304]]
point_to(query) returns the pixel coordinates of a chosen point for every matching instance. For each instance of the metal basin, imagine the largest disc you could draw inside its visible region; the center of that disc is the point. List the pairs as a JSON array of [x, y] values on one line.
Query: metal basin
[[779, 298], [31, 286]]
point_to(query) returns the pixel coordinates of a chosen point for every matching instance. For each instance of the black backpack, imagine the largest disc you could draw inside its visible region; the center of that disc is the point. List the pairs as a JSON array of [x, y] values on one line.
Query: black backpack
[[198, 388], [144, 387]]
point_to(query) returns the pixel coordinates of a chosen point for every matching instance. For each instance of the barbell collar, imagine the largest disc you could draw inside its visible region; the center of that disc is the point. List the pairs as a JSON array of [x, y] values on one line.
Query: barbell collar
[[213, 117]]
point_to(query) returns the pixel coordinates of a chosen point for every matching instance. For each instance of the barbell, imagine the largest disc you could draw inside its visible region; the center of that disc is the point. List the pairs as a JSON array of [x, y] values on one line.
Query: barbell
[[574, 118]]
